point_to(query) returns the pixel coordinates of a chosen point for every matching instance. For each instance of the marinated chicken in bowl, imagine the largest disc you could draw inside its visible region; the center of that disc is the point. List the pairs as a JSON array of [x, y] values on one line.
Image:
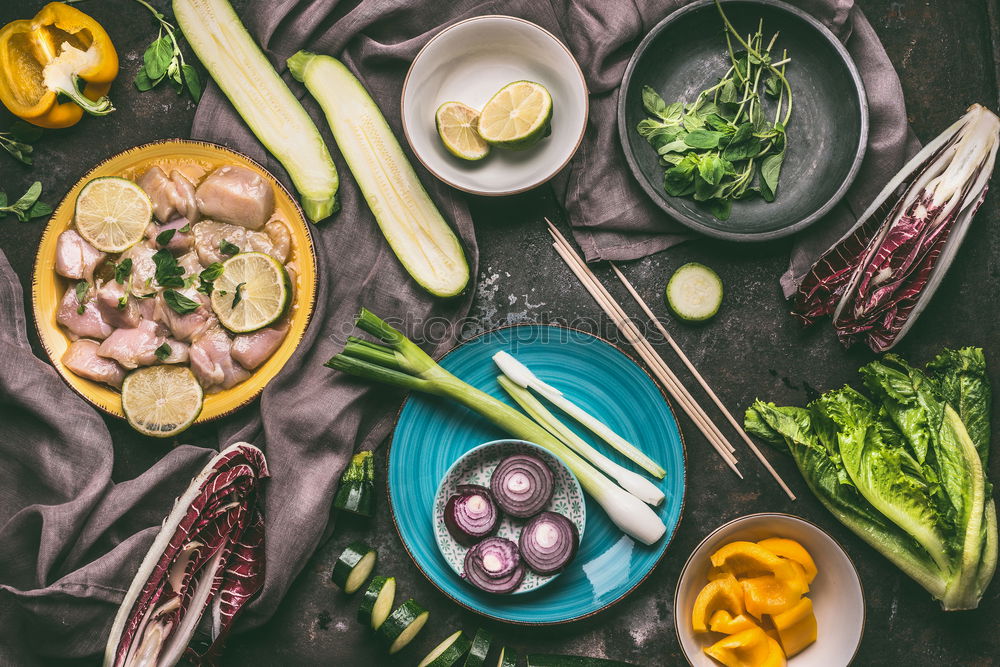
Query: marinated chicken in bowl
[[206, 282]]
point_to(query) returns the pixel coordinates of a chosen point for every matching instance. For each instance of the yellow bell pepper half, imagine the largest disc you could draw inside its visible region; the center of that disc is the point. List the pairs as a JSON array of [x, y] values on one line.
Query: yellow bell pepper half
[[49, 56]]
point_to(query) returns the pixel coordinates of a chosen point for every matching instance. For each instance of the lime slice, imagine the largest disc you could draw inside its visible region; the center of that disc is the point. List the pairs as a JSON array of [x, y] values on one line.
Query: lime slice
[[112, 213], [517, 116], [252, 292], [161, 401], [456, 125]]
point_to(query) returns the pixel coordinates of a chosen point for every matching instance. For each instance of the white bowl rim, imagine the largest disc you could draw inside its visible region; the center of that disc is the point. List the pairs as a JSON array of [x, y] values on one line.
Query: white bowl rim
[[783, 516], [538, 182]]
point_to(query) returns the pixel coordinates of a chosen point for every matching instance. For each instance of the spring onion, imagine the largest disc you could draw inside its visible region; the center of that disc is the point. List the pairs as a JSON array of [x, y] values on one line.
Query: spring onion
[[399, 362], [522, 375], [634, 483]]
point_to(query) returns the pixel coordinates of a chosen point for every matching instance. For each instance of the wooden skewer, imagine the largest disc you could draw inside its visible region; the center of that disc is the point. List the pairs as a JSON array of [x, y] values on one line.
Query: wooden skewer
[[643, 347], [704, 385]]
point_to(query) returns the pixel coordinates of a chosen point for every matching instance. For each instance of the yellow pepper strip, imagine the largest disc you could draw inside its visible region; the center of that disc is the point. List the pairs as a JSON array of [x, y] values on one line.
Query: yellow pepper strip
[[796, 627], [792, 550], [724, 622], [47, 56], [724, 593], [749, 648]]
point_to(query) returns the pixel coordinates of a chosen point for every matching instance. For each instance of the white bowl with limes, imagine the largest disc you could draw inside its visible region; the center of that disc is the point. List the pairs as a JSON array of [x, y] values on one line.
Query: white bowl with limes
[[470, 62]]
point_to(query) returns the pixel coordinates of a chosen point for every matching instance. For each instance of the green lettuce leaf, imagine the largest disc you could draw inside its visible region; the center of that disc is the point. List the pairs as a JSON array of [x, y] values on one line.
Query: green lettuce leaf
[[962, 381]]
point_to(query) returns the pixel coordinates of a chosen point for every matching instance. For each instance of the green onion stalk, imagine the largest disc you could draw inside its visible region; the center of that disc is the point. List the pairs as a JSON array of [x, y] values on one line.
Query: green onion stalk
[[401, 363]]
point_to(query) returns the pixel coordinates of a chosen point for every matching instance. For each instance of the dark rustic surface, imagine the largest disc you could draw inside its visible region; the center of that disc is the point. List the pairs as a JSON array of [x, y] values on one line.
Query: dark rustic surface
[[948, 55]]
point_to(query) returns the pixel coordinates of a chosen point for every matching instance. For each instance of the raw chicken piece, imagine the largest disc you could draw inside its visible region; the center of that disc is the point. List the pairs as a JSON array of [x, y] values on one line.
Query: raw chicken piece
[[147, 308], [185, 327], [281, 240], [109, 302], [208, 236], [171, 196], [212, 363], [134, 347], [75, 258], [253, 349], [89, 323], [179, 243], [81, 358], [236, 195], [192, 266], [143, 268], [178, 352]]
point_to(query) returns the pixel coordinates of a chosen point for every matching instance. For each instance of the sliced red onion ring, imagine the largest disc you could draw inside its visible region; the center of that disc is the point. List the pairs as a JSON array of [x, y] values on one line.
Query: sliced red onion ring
[[494, 565], [548, 542], [471, 514], [522, 485]]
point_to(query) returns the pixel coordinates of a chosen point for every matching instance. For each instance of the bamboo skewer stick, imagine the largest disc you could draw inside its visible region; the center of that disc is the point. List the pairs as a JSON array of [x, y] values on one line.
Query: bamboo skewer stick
[[704, 385], [644, 348]]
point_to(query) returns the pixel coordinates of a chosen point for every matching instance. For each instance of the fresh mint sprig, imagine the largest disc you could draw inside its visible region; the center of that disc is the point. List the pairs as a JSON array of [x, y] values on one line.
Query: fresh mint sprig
[[164, 61], [27, 207], [18, 139]]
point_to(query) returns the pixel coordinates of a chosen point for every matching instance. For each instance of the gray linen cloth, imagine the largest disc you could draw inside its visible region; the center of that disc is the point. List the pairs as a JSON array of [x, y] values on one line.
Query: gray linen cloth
[[71, 538]]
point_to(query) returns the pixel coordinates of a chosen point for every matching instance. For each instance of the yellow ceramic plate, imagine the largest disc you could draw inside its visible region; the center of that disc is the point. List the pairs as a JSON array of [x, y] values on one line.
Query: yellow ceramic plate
[[197, 159]]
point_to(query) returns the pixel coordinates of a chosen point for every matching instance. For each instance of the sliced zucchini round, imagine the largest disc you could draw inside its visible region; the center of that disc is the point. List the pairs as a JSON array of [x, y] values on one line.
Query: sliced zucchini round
[[377, 602], [402, 626], [479, 649], [354, 566], [694, 292], [448, 652], [508, 657]]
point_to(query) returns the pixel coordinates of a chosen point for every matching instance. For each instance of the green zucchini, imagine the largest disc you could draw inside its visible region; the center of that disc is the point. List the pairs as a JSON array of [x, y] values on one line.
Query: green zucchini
[[508, 657], [573, 661], [448, 652], [377, 602], [402, 626], [356, 493], [354, 566], [415, 230], [268, 107], [479, 649], [694, 292]]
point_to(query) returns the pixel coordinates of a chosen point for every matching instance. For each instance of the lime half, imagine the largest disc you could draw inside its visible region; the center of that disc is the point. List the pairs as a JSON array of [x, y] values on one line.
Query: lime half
[[252, 292], [456, 125], [112, 213], [517, 116], [161, 401]]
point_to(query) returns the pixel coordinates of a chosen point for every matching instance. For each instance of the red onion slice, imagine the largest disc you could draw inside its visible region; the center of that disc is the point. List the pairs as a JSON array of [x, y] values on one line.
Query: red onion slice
[[494, 565], [548, 542], [522, 485], [471, 514]]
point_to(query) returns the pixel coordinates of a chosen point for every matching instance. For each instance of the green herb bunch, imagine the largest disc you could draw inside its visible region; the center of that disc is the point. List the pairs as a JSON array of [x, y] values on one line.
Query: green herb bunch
[[164, 61], [27, 205], [724, 146]]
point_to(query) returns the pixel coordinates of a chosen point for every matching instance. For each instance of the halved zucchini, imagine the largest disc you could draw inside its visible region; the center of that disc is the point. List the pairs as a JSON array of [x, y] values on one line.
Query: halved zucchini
[[377, 602], [354, 566], [448, 652], [479, 649], [402, 626]]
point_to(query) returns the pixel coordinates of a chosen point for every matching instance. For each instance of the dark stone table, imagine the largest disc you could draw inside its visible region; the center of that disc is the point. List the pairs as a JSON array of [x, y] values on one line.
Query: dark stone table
[[948, 55]]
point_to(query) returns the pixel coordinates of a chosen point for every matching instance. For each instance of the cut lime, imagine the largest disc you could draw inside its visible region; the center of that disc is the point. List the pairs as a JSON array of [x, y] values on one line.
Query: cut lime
[[252, 292], [694, 292], [161, 401], [112, 213], [456, 125], [517, 116]]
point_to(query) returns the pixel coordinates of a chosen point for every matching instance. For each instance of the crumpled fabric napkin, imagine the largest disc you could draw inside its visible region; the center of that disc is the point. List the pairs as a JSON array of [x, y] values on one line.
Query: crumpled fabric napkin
[[71, 538]]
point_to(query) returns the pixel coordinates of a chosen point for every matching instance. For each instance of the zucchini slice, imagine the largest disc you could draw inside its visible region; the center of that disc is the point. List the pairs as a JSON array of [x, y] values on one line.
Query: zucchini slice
[[448, 652], [354, 566], [694, 292], [402, 626], [508, 657], [414, 228], [573, 661], [377, 602], [356, 493], [268, 107], [479, 649]]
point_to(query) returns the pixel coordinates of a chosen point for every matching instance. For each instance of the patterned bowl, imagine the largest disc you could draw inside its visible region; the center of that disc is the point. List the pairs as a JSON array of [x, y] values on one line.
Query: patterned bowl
[[476, 467]]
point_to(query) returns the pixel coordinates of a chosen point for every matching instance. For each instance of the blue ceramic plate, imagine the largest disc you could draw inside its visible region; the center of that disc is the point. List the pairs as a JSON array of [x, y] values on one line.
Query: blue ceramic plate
[[432, 433]]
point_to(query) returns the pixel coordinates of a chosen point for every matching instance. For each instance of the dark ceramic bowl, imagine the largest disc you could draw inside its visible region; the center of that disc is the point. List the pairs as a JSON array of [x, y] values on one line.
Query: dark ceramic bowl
[[827, 134]]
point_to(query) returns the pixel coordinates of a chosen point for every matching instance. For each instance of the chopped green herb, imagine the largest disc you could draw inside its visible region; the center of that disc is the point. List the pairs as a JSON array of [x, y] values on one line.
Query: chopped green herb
[[168, 272], [227, 248], [164, 237], [27, 207], [123, 301], [186, 229], [163, 352], [82, 288], [209, 276], [238, 295], [123, 270], [179, 303]]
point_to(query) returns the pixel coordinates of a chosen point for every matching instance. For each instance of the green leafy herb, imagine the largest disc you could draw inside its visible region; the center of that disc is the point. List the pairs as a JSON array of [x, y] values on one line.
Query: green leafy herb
[[227, 248], [179, 303], [186, 229], [81, 290], [238, 295], [123, 301], [123, 270], [168, 272], [164, 237], [208, 276], [723, 147], [18, 139], [164, 61], [27, 207], [163, 352]]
